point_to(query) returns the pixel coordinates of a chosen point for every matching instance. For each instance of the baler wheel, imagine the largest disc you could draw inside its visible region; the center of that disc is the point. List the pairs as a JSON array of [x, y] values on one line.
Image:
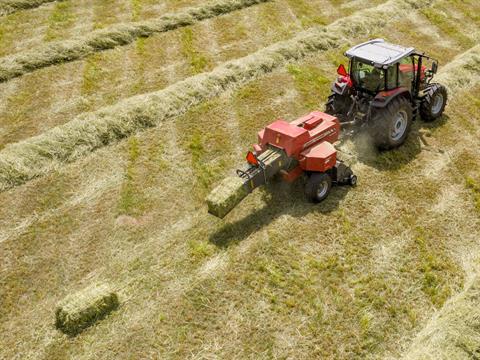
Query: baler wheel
[[318, 187], [353, 180]]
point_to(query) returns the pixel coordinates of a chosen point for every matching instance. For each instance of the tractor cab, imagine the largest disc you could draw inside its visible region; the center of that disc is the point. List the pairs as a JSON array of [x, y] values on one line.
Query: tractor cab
[[378, 66], [384, 79]]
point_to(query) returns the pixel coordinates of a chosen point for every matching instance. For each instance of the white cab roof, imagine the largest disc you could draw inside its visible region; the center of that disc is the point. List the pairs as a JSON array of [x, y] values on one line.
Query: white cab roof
[[379, 53]]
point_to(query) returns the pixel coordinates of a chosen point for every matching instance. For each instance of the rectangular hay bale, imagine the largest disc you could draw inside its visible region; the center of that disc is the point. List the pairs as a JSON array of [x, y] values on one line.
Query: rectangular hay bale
[[82, 309], [228, 194]]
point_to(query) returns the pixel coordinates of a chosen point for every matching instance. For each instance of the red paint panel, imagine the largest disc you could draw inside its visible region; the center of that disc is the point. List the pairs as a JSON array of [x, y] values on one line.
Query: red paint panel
[[321, 157], [286, 136], [292, 175], [406, 68]]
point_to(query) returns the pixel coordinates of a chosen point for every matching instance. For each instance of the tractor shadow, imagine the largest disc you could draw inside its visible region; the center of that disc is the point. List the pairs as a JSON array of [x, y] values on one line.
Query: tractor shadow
[[279, 199], [388, 160]]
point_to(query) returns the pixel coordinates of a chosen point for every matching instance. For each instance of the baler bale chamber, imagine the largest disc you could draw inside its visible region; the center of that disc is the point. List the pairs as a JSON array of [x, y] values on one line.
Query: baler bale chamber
[[232, 190]]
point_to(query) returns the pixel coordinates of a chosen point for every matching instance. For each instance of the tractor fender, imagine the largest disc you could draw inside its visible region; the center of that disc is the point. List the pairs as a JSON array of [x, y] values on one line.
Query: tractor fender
[[383, 98], [340, 88]]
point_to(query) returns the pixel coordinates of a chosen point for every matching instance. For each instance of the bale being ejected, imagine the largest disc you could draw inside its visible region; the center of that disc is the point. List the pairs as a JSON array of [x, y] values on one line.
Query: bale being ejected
[[302, 147]]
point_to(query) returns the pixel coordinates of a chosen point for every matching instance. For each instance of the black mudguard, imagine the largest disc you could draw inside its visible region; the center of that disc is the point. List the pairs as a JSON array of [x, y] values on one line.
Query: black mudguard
[[340, 88]]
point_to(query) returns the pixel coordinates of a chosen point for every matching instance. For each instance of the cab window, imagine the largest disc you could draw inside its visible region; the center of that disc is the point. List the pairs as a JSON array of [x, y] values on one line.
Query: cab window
[[368, 77], [392, 73], [406, 72]]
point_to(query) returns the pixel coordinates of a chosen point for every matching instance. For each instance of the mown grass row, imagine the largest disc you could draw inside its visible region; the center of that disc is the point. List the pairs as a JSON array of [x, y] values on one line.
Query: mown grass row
[[34, 157], [11, 6], [108, 38], [454, 331]]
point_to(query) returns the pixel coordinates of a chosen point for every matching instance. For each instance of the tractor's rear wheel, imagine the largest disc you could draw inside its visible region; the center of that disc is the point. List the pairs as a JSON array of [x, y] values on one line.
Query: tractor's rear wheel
[[338, 105], [392, 123], [434, 103], [318, 187]]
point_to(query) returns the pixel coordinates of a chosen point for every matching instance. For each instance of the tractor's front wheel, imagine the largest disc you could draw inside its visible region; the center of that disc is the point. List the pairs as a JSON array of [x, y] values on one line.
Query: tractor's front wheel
[[392, 123], [434, 103], [318, 187]]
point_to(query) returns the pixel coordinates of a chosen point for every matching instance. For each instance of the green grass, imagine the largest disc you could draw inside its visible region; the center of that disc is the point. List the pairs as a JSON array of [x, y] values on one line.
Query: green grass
[[198, 61], [131, 201], [438, 274], [141, 54], [251, 112], [61, 18], [91, 75], [311, 83], [200, 249], [208, 150], [137, 7], [307, 14], [474, 187], [448, 26], [106, 13], [206, 172]]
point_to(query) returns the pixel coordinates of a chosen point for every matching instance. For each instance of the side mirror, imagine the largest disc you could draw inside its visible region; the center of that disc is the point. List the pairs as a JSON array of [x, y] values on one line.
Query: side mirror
[[434, 67], [342, 71]]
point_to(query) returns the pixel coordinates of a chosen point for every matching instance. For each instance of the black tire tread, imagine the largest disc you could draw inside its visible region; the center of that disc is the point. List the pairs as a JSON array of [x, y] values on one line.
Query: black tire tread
[[425, 107], [311, 186], [381, 121], [336, 105]]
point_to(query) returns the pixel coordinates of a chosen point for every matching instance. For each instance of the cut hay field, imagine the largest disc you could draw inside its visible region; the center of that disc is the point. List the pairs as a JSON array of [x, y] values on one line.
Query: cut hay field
[[109, 148]]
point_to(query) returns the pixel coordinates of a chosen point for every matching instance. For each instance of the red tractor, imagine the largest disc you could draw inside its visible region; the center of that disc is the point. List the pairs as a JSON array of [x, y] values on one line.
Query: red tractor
[[384, 90]]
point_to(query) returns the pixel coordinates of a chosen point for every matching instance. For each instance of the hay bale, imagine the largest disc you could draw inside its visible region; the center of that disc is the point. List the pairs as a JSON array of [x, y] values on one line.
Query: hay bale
[[228, 194], [10, 6], [123, 34], [82, 309]]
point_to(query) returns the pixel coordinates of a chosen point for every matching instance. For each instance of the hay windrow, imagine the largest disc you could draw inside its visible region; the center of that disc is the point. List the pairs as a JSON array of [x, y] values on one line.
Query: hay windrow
[[116, 35], [454, 332], [226, 196], [463, 71], [82, 309], [38, 155], [10, 6]]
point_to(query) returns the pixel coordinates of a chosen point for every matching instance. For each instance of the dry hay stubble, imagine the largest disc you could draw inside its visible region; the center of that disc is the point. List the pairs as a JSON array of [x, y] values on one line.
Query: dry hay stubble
[[453, 333]]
